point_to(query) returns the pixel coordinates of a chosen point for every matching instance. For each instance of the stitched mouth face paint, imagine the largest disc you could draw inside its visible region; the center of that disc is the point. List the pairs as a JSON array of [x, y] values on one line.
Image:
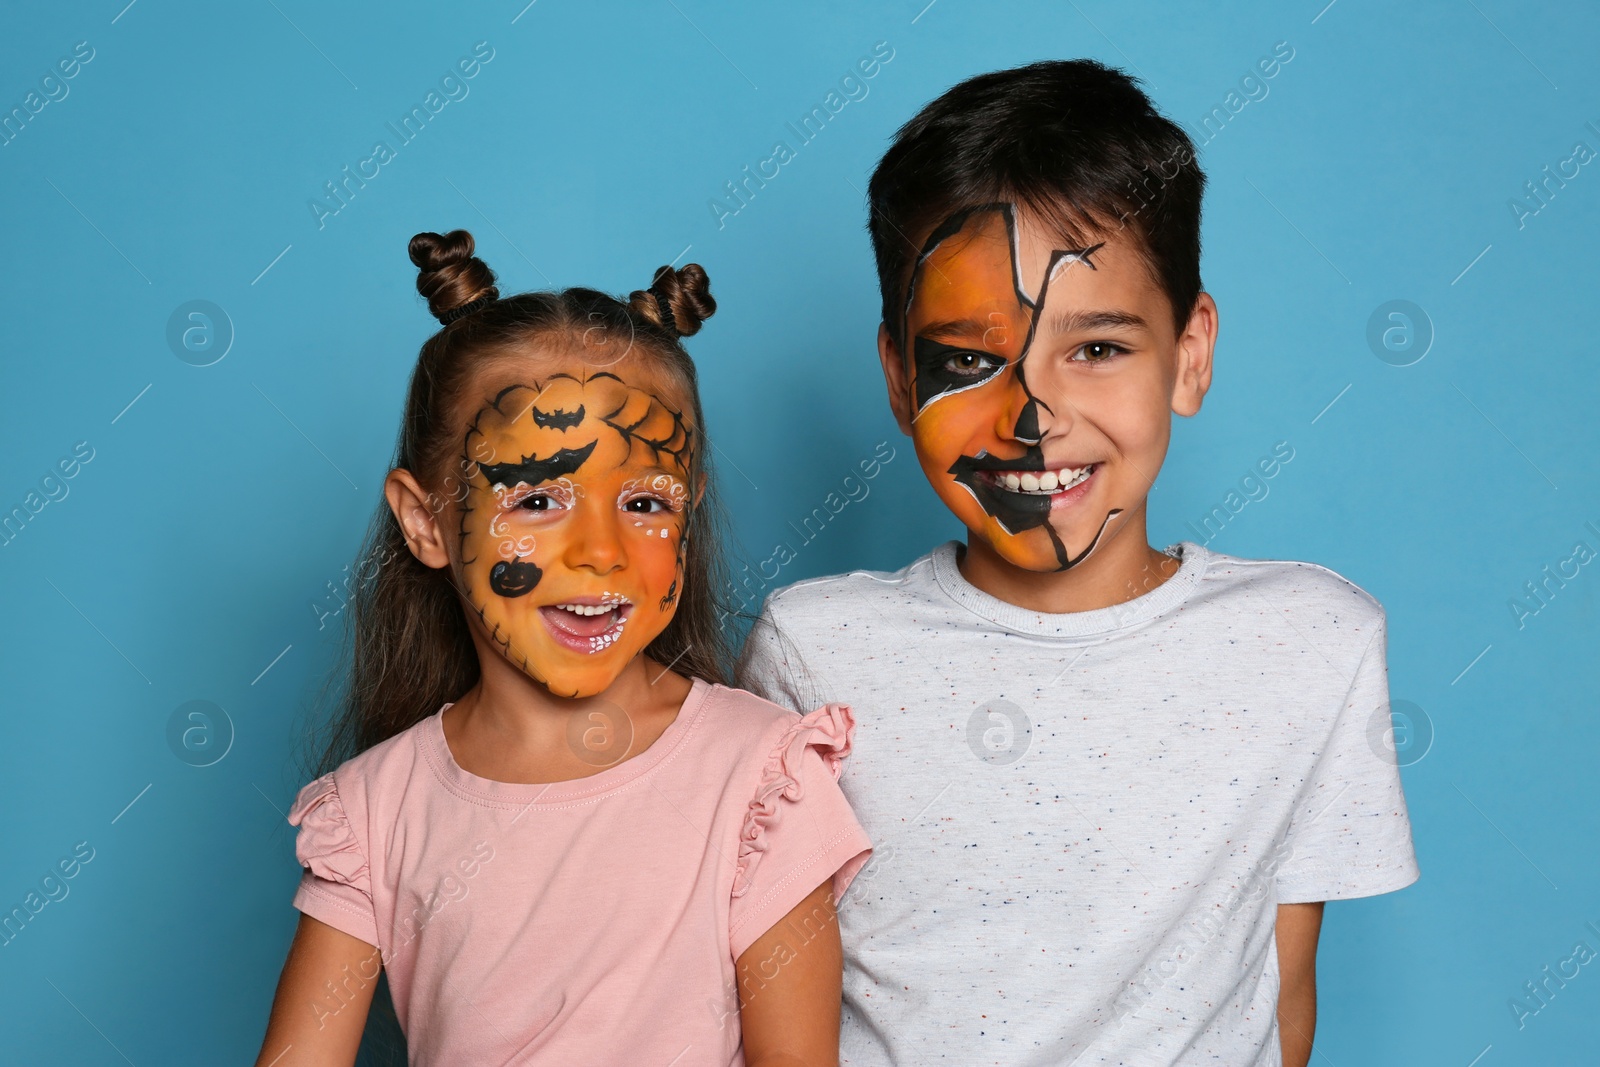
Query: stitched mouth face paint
[[996, 444], [573, 529]]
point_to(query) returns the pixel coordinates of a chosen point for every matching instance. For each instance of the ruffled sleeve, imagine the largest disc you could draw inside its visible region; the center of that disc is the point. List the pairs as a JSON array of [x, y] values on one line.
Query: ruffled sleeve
[[337, 885], [798, 831]]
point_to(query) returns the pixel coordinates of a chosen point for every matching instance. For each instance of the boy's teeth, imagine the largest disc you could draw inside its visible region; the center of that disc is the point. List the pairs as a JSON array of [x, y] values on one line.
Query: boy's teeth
[[1044, 481]]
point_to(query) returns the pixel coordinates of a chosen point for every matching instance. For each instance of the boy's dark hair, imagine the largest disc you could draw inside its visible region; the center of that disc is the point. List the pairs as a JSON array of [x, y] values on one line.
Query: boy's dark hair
[[1074, 141]]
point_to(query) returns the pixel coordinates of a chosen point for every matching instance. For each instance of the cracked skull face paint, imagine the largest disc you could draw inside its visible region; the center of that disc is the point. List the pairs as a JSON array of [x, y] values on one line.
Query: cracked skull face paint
[[573, 529], [1035, 405]]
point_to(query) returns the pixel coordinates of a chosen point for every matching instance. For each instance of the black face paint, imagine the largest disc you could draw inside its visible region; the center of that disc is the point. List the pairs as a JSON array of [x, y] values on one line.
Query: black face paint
[[1019, 512], [558, 420], [535, 471], [514, 578], [1015, 512], [659, 429], [935, 375]]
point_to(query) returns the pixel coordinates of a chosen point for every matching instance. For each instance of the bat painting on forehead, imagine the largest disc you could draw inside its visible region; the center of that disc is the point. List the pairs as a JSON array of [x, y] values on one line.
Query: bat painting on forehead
[[969, 320]]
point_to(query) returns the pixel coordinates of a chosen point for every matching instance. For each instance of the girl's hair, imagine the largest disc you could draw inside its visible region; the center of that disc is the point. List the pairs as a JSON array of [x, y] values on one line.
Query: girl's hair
[[410, 649]]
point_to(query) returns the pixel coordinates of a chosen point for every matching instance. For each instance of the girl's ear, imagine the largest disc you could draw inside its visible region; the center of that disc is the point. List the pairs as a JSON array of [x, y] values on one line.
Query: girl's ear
[[420, 524]]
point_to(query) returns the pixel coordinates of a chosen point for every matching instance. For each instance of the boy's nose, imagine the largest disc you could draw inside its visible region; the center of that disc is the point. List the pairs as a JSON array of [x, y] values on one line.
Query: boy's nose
[[1025, 418]]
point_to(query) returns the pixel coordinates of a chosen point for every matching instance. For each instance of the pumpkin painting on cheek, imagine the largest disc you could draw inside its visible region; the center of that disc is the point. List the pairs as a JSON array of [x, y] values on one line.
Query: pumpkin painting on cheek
[[574, 526]]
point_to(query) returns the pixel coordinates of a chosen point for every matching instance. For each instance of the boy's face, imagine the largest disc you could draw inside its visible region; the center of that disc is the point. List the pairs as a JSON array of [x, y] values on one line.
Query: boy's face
[[1039, 381]]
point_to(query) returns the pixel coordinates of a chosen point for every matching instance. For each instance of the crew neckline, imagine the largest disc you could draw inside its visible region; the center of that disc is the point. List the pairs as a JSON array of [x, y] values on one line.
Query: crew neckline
[[1097, 622], [494, 793]]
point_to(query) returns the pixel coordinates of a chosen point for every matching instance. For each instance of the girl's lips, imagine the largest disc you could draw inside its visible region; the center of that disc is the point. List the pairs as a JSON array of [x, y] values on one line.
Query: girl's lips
[[585, 634]]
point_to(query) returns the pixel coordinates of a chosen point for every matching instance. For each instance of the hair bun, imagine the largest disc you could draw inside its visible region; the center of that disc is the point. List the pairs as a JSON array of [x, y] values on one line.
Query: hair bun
[[678, 300], [449, 275]]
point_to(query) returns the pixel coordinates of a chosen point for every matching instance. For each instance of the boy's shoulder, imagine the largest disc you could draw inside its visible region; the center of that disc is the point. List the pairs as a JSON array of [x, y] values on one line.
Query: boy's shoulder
[[1286, 586], [1316, 600], [839, 595]]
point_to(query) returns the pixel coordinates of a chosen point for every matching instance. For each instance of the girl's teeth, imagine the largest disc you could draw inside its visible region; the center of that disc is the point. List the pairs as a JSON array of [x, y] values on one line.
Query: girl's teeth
[[1048, 480], [588, 609], [1030, 481], [1013, 482]]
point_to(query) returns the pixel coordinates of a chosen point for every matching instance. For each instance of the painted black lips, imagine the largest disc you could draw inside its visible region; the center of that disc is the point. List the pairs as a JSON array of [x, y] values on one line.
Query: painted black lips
[[1016, 512]]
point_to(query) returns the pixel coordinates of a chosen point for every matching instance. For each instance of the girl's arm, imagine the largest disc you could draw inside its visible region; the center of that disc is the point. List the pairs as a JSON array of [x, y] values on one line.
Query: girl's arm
[[321, 1006], [789, 988]]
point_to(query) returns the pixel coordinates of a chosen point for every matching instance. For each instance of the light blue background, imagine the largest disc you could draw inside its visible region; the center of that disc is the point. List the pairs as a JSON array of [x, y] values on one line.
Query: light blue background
[[191, 550]]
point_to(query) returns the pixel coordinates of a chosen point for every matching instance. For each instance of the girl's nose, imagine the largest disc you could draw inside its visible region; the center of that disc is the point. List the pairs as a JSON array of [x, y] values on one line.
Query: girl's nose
[[596, 541]]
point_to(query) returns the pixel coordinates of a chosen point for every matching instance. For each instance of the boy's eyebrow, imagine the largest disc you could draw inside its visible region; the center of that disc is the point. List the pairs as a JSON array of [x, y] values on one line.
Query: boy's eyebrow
[[953, 328], [1087, 321]]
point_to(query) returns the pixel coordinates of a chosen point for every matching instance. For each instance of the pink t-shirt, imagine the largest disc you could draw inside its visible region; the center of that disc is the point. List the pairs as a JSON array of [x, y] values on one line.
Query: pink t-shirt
[[594, 921]]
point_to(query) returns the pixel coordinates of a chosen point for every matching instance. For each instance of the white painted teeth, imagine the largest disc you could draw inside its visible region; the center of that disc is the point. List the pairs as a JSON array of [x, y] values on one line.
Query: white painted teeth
[[590, 609], [1044, 481]]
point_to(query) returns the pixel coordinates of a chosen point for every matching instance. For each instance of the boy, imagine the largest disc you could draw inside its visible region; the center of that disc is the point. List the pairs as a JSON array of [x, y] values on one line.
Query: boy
[[1111, 786]]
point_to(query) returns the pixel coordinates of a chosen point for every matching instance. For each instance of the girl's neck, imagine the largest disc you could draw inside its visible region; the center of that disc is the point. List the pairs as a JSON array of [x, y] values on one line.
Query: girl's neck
[[510, 728]]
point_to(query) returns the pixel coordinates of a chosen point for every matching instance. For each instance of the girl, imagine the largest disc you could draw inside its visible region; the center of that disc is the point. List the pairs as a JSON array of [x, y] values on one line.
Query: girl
[[563, 839]]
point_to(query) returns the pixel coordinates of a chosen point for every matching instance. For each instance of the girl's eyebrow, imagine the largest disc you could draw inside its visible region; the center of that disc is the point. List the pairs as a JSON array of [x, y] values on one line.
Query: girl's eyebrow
[[649, 472], [1086, 321]]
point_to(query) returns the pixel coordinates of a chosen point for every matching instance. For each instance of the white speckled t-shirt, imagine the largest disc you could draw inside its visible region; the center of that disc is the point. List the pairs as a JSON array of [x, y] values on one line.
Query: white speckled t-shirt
[[1085, 822]]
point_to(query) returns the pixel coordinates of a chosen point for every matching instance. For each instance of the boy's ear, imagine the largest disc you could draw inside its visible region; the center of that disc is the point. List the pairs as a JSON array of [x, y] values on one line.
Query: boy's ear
[[1196, 345], [409, 502], [894, 376]]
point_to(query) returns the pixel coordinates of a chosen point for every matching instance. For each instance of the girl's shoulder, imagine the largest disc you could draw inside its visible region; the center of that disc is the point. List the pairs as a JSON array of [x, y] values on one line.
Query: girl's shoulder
[[741, 718], [384, 768], [762, 731]]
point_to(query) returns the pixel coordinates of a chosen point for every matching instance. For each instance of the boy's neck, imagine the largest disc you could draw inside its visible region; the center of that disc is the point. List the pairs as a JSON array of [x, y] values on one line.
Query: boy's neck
[[1116, 572]]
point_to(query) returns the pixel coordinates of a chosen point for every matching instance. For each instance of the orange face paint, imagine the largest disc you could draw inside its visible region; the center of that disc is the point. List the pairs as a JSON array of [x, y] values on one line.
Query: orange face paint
[[573, 528]]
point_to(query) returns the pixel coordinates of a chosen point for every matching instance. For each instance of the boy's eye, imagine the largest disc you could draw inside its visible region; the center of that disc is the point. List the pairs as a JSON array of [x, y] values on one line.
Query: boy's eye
[[969, 364], [1097, 352]]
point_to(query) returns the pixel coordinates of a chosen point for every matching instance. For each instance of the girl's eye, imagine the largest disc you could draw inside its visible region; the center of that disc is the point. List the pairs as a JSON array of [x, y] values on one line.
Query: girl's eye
[[968, 364], [537, 502], [646, 505], [1097, 352]]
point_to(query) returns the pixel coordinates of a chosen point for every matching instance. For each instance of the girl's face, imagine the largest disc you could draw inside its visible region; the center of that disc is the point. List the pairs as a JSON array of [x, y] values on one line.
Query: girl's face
[[573, 522]]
